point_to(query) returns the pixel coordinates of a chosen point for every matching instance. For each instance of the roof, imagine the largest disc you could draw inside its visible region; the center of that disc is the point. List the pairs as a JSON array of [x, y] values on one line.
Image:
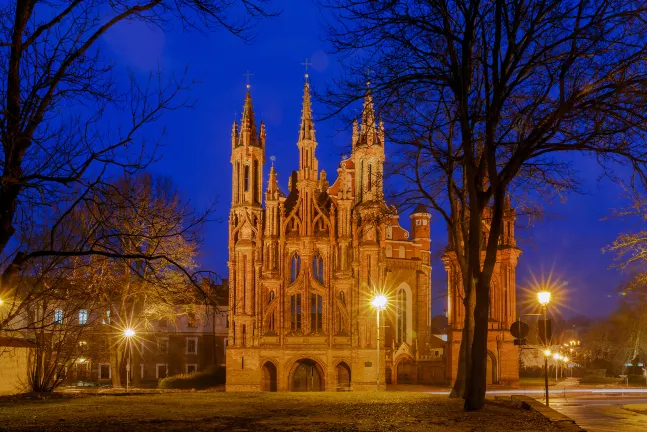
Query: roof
[[16, 342], [420, 209], [435, 342]]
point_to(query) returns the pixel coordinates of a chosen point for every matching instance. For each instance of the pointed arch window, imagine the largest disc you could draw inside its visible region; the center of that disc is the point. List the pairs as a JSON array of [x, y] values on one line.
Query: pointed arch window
[[316, 314], [295, 312], [270, 297], [295, 267], [370, 175], [401, 316], [317, 268], [342, 297]]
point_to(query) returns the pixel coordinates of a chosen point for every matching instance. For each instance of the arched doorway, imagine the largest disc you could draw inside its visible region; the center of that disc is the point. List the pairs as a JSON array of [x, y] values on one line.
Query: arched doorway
[[269, 377], [491, 377], [343, 377], [406, 372], [306, 376]]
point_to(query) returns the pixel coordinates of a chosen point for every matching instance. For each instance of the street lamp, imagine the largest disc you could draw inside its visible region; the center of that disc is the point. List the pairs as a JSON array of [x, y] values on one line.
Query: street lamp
[[557, 358], [379, 303], [544, 298], [128, 334]]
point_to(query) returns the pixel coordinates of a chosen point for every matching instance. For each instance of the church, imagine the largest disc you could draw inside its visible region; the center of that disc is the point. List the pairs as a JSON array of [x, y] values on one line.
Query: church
[[304, 266]]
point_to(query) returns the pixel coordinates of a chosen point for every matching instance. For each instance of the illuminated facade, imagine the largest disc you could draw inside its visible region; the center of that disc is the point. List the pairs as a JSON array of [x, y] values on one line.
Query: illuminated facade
[[303, 267]]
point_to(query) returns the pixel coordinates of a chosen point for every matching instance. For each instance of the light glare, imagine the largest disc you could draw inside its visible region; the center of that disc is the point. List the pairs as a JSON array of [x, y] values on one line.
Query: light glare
[[379, 301], [129, 332], [543, 297]]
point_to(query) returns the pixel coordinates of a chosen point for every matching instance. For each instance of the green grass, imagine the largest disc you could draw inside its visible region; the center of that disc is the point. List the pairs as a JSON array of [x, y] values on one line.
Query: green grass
[[264, 412]]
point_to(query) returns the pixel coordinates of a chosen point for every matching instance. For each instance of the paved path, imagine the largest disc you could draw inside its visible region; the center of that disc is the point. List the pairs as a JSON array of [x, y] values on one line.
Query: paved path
[[605, 413]]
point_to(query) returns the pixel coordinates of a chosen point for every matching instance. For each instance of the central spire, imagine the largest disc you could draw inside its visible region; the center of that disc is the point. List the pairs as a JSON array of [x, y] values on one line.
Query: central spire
[[307, 131], [308, 165], [248, 134]]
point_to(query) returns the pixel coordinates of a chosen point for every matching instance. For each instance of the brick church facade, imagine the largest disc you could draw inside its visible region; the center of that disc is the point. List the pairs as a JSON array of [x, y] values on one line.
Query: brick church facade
[[304, 266]]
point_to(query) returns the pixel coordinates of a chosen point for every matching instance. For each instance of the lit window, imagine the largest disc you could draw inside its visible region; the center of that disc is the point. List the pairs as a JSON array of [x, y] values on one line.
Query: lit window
[[83, 316], [58, 316], [296, 267], [191, 320], [106, 319]]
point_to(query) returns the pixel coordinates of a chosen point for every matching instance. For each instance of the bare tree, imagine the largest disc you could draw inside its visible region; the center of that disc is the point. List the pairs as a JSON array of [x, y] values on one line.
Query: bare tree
[[482, 97], [56, 86]]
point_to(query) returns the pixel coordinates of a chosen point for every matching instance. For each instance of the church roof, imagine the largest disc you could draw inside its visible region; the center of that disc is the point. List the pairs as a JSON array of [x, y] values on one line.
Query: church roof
[[420, 208]]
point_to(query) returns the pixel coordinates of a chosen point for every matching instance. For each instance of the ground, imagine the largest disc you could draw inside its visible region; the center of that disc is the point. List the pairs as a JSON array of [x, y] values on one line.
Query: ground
[[338, 412]]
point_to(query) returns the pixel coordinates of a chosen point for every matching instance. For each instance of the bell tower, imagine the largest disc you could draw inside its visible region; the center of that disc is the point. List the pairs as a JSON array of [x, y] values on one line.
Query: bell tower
[[245, 226]]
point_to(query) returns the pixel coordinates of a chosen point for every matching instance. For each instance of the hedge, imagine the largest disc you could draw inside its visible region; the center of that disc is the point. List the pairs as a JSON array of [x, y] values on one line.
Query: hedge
[[198, 380], [591, 379]]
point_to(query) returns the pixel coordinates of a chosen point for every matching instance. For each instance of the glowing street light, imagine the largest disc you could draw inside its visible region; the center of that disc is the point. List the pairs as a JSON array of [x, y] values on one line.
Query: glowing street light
[[543, 297], [128, 334], [547, 353], [379, 303]]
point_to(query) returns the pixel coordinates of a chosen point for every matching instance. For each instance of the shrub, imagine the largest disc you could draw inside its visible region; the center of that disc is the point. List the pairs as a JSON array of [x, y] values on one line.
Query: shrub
[[593, 379], [199, 380], [637, 379]]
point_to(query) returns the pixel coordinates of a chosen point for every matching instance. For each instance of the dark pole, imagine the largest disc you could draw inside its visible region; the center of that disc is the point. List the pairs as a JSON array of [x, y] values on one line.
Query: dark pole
[[543, 311]]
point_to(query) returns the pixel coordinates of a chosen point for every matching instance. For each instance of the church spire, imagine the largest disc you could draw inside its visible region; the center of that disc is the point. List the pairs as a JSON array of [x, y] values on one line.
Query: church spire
[[248, 134], [369, 132], [307, 131]]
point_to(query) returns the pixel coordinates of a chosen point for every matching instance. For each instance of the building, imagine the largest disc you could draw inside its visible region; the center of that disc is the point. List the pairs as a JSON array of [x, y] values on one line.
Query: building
[[502, 355], [303, 267]]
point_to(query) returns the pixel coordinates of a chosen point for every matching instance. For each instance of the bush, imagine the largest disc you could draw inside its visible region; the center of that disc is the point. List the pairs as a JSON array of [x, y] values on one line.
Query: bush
[[637, 379], [199, 380], [593, 379]]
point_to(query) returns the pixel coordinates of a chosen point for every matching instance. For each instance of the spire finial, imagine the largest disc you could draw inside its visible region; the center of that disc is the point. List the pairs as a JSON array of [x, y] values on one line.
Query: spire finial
[[272, 158], [306, 64], [247, 75]]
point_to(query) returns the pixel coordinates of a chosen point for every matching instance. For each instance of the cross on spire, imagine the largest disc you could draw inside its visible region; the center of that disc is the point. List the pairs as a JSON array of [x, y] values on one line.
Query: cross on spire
[[272, 158], [306, 64], [247, 75]]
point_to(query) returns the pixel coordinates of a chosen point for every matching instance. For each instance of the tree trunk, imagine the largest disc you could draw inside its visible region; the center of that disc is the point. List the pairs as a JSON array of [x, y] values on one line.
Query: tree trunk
[[476, 386], [114, 367], [464, 356]]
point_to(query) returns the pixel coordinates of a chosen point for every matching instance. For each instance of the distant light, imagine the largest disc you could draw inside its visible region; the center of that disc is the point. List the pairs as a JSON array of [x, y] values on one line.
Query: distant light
[[379, 301], [81, 360], [543, 297], [129, 332], [547, 353], [556, 356], [1, 302], [565, 359]]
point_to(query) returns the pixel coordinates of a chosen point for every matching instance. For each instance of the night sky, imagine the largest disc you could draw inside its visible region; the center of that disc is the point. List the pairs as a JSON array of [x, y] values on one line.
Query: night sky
[[567, 243]]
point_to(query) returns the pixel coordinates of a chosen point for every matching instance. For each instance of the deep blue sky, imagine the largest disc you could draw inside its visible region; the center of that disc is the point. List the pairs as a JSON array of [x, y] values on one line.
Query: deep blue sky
[[566, 243]]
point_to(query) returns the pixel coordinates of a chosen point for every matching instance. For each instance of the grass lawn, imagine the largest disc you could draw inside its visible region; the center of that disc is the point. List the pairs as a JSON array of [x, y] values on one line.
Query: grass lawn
[[538, 381], [264, 412]]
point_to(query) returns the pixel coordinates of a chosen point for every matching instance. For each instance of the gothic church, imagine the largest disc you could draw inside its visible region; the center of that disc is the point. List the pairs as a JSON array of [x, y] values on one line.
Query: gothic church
[[304, 266]]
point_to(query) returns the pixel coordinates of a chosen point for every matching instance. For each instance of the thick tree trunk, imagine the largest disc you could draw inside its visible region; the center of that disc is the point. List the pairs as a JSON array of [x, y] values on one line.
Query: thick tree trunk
[[476, 387], [115, 367], [464, 356]]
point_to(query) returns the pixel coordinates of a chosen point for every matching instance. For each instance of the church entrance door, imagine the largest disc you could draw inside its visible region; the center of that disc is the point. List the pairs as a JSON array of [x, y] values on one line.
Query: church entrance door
[[269, 377], [343, 377], [307, 376], [406, 372]]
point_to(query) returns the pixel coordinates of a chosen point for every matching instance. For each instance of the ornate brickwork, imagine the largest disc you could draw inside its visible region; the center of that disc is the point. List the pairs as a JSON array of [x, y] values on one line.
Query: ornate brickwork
[[303, 267]]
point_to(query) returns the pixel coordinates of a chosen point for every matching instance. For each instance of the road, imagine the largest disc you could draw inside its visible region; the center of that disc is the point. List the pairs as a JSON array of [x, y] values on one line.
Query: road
[[605, 413]]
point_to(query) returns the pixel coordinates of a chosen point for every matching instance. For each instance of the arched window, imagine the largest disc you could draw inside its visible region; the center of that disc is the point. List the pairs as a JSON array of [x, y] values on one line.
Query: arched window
[[401, 316], [271, 297], [246, 178], [402, 252], [271, 323], [389, 251], [316, 313], [317, 268], [342, 297], [296, 267], [295, 312]]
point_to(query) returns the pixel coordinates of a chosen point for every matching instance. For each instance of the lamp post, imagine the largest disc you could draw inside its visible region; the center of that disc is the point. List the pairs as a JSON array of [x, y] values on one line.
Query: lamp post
[[128, 334], [544, 298], [379, 303], [557, 358]]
